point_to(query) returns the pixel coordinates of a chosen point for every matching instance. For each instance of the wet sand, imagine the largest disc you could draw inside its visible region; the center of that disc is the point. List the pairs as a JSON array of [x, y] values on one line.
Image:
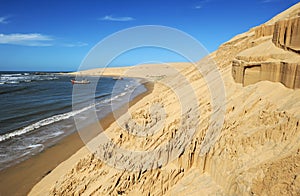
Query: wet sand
[[20, 178]]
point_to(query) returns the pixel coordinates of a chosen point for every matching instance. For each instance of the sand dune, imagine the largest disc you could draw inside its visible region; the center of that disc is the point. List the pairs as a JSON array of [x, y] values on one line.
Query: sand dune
[[256, 151]]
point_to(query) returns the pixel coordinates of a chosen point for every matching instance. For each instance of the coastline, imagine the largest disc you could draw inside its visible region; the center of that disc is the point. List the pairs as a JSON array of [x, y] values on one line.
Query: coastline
[[227, 124], [26, 174], [192, 173]]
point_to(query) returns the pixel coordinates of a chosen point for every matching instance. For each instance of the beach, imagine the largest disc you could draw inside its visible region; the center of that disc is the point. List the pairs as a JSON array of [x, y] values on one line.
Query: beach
[[27, 173], [225, 125], [209, 168]]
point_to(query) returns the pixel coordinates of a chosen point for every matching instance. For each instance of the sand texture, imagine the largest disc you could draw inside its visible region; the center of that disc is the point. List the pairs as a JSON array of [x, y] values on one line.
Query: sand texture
[[269, 51], [256, 151]]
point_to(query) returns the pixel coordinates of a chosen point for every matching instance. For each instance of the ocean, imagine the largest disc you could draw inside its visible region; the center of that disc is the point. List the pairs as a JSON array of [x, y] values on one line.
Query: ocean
[[36, 109]]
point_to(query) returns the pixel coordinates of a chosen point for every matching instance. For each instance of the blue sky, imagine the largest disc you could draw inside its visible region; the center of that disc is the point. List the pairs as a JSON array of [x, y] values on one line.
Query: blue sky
[[56, 35]]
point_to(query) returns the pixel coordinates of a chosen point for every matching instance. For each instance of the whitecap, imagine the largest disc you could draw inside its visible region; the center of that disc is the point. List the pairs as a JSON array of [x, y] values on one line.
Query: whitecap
[[54, 119], [36, 146]]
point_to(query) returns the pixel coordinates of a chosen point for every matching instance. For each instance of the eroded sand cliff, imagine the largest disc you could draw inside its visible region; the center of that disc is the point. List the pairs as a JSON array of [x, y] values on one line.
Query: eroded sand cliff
[[271, 52]]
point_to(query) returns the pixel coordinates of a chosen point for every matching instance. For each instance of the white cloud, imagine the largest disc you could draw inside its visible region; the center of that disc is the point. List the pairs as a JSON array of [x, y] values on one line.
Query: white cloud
[[3, 20], [31, 39], [118, 19], [201, 4], [35, 39], [77, 44]]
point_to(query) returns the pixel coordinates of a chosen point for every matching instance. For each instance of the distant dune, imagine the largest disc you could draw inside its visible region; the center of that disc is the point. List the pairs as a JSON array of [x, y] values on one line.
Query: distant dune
[[257, 151]]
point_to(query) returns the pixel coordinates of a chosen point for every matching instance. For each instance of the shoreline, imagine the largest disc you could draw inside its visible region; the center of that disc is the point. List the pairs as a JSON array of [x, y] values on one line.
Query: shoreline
[[26, 174]]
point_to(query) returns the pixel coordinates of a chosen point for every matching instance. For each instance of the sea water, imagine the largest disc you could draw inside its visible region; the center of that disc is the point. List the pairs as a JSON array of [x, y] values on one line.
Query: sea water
[[36, 109]]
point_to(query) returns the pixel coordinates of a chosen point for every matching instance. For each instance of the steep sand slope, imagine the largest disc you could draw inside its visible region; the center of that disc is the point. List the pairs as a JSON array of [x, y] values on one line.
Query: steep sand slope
[[257, 151], [268, 52]]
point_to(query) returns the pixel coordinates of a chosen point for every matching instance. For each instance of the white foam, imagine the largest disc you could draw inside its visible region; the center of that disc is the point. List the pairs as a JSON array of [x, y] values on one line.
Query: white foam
[[26, 77], [55, 134], [36, 146], [54, 119], [9, 75], [12, 82], [41, 123]]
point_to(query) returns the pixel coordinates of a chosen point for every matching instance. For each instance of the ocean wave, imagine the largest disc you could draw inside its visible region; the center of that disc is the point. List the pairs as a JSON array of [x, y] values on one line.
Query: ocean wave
[[12, 82], [55, 134], [36, 146], [9, 75], [55, 118], [24, 77], [9, 90], [116, 97], [102, 95], [31, 146], [39, 124]]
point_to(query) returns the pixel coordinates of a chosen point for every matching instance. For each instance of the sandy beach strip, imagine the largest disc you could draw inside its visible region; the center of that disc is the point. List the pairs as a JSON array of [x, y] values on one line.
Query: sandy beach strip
[[20, 178]]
